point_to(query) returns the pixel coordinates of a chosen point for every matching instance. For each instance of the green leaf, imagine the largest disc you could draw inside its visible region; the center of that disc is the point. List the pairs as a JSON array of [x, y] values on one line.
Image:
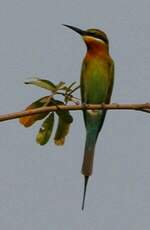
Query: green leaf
[[27, 121], [45, 131], [65, 116], [64, 122], [45, 84], [60, 85]]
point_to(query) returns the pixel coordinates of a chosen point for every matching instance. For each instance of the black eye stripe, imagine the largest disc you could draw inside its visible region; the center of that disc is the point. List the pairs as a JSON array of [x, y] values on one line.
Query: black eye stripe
[[98, 36]]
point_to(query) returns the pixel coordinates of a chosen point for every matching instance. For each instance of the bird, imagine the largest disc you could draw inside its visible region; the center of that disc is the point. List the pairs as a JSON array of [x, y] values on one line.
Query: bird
[[96, 84]]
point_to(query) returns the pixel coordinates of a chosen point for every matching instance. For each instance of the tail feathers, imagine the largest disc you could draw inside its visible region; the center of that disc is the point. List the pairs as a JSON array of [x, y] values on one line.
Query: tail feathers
[[87, 166], [84, 192]]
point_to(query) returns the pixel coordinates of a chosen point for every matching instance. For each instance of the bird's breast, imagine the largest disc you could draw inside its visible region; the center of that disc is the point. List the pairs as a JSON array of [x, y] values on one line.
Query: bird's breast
[[95, 79]]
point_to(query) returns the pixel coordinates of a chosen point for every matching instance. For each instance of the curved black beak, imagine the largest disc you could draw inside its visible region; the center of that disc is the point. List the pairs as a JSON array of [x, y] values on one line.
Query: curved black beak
[[79, 31]]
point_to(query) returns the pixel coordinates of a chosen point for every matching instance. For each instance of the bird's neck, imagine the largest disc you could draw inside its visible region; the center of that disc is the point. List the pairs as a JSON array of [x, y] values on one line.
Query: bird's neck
[[97, 48]]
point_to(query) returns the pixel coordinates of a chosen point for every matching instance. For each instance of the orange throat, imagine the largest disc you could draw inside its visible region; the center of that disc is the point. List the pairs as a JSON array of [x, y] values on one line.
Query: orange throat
[[95, 46]]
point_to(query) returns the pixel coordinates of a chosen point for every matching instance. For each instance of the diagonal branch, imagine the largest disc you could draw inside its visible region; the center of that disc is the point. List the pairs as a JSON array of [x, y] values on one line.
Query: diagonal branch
[[144, 107]]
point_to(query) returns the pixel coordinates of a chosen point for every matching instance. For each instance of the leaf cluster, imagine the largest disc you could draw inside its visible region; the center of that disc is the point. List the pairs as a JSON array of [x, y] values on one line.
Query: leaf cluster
[[64, 117]]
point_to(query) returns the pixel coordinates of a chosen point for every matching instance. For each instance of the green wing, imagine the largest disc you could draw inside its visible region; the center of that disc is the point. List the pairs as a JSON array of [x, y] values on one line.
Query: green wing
[[96, 87]]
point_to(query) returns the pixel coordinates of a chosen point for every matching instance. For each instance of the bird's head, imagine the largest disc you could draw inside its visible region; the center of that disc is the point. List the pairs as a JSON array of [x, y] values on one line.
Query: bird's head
[[92, 37]]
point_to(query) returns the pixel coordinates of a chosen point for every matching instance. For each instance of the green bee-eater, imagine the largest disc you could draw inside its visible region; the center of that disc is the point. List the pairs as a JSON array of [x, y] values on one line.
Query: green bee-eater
[[97, 76]]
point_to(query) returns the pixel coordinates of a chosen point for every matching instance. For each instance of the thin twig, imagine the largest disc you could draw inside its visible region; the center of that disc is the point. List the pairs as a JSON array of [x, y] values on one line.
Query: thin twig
[[144, 107], [72, 91]]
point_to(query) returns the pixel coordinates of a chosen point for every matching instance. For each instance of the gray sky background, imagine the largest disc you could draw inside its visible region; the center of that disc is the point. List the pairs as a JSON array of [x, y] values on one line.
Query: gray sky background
[[41, 187]]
